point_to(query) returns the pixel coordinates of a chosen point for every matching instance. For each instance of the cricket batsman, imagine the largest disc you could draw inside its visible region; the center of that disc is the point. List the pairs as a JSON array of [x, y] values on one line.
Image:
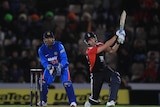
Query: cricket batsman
[[54, 59], [100, 71]]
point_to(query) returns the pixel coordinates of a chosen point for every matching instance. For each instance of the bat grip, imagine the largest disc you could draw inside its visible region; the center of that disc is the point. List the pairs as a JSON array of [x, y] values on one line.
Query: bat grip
[[121, 29]]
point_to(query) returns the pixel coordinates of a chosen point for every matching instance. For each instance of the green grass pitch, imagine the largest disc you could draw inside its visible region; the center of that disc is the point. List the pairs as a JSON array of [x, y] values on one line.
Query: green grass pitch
[[80, 106]]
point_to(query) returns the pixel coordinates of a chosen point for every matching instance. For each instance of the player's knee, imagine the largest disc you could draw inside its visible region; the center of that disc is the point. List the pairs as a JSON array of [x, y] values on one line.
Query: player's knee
[[67, 84], [93, 102], [43, 83]]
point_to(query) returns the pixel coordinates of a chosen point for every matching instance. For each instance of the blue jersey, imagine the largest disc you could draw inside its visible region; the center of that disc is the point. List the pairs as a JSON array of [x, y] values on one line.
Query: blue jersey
[[54, 55]]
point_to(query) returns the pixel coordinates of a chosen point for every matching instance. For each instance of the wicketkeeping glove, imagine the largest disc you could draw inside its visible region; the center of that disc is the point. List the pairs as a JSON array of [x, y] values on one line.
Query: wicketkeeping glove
[[51, 69], [120, 36], [58, 69]]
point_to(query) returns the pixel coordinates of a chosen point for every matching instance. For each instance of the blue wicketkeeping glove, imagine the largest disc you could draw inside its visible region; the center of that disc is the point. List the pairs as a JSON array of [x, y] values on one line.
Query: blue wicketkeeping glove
[[121, 36]]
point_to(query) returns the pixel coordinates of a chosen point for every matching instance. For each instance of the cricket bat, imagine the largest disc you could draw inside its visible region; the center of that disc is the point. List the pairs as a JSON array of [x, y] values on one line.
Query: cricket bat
[[122, 20]]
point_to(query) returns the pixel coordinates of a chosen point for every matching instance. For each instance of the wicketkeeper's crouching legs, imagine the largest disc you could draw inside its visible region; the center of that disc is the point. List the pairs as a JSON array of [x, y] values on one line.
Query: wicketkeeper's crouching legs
[[68, 88], [44, 91], [48, 79], [70, 92], [43, 94]]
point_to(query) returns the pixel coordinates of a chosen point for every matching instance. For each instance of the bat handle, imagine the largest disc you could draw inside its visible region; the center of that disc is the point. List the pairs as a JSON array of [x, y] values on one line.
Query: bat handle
[[120, 29]]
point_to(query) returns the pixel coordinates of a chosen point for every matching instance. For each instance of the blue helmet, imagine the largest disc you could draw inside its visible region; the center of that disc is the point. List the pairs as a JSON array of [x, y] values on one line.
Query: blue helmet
[[48, 34]]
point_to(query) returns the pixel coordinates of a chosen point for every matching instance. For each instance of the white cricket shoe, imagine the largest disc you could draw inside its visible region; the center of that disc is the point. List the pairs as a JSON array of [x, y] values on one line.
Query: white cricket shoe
[[43, 103], [87, 104], [110, 104], [73, 104]]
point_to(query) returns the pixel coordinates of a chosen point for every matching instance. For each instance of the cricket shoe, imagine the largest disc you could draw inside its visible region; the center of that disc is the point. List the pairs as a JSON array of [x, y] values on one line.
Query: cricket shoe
[[110, 104], [87, 104], [44, 104], [73, 104]]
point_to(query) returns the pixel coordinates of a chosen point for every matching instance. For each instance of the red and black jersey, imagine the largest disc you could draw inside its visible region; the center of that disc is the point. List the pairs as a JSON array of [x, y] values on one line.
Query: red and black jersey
[[96, 60]]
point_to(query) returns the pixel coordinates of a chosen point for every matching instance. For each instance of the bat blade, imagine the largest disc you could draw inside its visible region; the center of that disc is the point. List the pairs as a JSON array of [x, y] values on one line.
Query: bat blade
[[122, 20]]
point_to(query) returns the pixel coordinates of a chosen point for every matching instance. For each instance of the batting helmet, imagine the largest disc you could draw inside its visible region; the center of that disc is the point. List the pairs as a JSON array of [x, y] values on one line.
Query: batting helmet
[[48, 34], [89, 35]]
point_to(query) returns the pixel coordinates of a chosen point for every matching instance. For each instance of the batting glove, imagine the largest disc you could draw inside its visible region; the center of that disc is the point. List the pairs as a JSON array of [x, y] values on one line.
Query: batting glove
[[120, 36]]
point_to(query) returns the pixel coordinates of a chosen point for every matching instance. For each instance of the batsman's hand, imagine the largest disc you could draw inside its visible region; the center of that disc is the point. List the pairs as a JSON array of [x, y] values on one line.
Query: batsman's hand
[[120, 36], [51, 69]]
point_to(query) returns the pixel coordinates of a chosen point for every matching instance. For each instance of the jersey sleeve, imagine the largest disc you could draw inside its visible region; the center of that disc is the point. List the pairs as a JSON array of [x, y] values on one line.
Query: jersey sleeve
[[63, 56], [92, 50], [43, 60]]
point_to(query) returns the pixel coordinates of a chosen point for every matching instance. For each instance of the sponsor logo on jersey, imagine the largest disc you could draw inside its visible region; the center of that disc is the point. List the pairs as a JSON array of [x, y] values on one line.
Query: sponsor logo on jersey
[[53, 58]]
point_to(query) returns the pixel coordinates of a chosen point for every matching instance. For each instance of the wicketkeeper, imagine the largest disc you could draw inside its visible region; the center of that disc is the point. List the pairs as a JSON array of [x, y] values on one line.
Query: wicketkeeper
[[53, 58]]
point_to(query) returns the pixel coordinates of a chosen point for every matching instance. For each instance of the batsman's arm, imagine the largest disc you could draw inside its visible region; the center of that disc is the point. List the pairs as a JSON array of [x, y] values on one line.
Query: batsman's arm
[[119, 38], [107, 44], [114, 48]]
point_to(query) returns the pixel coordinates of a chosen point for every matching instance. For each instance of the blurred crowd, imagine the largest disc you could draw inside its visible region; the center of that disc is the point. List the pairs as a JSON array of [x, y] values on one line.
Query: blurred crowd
[[22, 23]]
